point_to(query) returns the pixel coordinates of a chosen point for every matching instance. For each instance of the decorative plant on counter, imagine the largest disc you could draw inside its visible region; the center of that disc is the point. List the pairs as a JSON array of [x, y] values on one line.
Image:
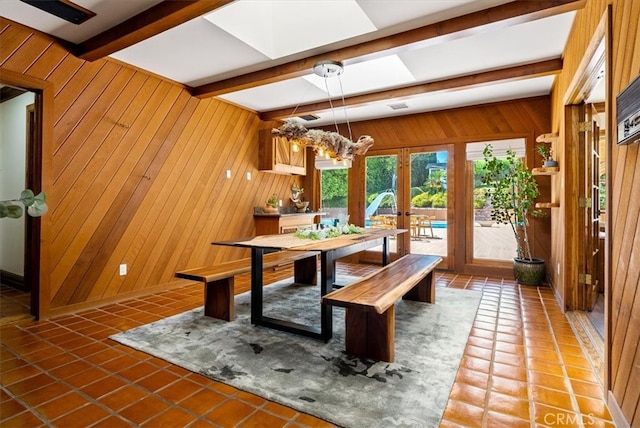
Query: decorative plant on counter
[[297, 199], [271, 206], [272, 201], [296, 193], [36, 205], [512, 189]]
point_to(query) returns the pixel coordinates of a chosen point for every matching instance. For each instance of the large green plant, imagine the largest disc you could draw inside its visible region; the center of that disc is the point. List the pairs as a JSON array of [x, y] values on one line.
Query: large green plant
[[512, 189], [35, 204]]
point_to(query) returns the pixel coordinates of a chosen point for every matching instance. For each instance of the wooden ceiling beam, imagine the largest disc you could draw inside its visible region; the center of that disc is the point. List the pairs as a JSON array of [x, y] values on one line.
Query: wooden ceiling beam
[[158, 18], [501, 16], [528, 71]]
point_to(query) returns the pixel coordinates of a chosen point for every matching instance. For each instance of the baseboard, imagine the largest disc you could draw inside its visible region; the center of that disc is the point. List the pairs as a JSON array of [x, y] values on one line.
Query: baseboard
[[616, 412], [13, 280]]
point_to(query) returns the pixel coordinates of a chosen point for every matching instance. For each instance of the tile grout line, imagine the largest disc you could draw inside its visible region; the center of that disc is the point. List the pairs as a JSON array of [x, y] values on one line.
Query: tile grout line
[[485, 411]]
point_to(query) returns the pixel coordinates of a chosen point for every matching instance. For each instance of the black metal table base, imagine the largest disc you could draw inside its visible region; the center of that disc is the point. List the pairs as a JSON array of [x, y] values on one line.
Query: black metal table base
[[327, 280]]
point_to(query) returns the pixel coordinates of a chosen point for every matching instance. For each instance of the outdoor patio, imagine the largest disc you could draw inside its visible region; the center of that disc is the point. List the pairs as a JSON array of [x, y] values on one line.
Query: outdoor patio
[[493, 243]]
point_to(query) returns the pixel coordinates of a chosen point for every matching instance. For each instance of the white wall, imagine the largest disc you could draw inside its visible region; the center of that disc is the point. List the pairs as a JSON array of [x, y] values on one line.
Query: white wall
[[13, 127]]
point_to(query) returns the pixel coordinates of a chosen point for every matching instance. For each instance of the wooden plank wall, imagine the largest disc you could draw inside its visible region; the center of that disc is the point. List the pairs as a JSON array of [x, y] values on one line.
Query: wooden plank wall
[[525, 118], [624, 232], [138, 174]]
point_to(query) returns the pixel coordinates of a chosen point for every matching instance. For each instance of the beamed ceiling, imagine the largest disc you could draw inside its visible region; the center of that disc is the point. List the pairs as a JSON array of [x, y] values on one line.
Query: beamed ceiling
[[259, 54]]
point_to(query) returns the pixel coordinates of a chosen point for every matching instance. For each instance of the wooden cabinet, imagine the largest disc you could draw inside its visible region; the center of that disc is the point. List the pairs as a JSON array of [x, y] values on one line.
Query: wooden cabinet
[[276, 154], [269, 224]]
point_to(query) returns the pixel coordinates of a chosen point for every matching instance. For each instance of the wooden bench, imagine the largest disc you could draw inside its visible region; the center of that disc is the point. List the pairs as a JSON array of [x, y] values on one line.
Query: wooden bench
[[219, 279], [370, 303]]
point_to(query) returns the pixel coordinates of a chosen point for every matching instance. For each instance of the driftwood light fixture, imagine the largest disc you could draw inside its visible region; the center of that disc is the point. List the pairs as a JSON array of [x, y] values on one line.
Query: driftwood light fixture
[[325, 144]]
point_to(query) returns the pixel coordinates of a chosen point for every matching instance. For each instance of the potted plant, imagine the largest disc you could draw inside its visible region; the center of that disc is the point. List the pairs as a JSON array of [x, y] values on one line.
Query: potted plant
[[512, 189], [272, 204], [36, 205], [546, 153]]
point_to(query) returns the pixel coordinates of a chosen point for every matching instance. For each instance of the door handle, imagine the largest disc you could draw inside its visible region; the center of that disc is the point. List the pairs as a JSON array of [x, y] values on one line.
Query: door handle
[[407, 213], [399, 214]]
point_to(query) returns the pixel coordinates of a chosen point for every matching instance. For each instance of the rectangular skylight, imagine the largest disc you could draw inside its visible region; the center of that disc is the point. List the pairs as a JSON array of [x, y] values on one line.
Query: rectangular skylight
[[278, 28]]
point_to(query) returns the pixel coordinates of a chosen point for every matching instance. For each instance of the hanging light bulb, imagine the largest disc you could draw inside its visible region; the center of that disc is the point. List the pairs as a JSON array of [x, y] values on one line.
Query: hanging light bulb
[[295, 147], [320, 151]]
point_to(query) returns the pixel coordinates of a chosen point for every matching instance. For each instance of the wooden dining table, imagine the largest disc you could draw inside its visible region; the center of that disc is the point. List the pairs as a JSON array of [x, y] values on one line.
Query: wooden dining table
[[329, 249]]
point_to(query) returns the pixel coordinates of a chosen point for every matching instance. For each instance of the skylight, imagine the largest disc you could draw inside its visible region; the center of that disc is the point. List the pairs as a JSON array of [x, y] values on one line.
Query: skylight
[[278, 28]]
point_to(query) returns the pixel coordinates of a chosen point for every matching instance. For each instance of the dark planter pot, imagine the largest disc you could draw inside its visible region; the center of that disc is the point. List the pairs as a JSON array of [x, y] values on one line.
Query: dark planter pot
[[529, 272], [549, 163]]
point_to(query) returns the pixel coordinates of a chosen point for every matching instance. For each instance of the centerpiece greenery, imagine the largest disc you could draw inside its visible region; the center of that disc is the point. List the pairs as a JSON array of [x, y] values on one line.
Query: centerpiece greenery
[[512, 190], [328, 232], [36, 205]]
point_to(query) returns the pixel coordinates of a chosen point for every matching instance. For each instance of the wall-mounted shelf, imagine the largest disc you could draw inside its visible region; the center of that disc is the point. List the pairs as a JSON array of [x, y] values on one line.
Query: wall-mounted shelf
[[549, 170], [547, 205], [547, 138]]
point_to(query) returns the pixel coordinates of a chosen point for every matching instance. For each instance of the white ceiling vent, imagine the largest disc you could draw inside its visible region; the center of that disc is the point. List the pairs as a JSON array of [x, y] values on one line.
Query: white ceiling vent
[[309, 117], [398, 106]]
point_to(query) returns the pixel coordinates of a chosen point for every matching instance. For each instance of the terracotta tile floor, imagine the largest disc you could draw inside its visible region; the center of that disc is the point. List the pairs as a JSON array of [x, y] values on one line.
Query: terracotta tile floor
[[523, 366]]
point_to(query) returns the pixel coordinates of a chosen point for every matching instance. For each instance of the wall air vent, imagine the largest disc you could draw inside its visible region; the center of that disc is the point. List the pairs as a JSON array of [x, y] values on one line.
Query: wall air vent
[[63, 9], [309, 117], [398, 106]]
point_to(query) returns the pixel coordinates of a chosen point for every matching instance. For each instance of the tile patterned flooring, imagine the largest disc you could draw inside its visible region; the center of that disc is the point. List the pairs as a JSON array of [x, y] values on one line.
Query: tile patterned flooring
[[523, 366]]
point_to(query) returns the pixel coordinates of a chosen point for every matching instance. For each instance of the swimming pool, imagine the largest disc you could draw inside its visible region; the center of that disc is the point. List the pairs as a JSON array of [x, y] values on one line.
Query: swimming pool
[[436, 224]]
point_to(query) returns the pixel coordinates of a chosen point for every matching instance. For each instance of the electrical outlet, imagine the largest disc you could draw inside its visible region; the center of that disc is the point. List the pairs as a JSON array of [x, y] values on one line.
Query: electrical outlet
[[123, 269], [228, 173], [558, 268]]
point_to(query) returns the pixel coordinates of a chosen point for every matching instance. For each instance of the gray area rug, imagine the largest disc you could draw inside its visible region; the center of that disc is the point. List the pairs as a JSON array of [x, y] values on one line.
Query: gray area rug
[[319, 378]]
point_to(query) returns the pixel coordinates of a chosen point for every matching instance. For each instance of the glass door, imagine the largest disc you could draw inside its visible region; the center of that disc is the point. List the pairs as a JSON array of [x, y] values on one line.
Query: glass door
[[381, 197], [410, 189], [488, 242], [426, 197]]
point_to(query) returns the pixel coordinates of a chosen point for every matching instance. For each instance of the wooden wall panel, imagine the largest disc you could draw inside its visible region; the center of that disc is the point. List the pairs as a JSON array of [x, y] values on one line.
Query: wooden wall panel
[[624, 230], [138, 174], [520, 118]]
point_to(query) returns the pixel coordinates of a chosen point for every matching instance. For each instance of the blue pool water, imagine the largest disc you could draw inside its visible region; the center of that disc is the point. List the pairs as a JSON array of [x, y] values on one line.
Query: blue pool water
[[436, 224]]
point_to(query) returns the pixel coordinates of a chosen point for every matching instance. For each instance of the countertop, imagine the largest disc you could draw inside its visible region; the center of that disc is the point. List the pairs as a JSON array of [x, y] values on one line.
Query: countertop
[[293, 214]]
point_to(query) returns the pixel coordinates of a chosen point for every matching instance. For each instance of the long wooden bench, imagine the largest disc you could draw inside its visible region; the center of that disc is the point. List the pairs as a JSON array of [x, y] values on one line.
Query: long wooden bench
[[370, 303], [219, 279]]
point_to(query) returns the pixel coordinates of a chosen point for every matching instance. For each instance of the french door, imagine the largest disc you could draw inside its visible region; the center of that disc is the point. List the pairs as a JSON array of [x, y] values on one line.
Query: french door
[[410, 189]]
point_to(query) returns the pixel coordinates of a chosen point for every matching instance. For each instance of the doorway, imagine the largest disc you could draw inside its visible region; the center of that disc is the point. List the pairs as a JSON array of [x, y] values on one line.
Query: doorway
[[588, 143], [22, 161]]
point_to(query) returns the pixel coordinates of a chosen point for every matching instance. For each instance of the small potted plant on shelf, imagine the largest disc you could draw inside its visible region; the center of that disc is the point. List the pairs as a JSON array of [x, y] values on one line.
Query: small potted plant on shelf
[[512, 190], [546, 153], [272, 204]]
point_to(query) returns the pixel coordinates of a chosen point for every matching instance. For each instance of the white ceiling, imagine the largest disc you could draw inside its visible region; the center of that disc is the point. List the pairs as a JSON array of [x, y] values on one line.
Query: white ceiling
[[250, 35]]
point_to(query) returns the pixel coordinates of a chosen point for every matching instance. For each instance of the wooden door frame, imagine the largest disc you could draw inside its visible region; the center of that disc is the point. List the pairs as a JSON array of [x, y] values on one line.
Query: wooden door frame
[[40, 169], [598, 51]]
